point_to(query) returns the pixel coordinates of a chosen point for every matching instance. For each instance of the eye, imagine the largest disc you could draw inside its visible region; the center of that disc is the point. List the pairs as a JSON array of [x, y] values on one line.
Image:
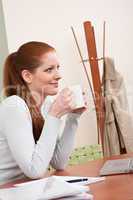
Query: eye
[[52, 68], [58, 67], [49, 69]]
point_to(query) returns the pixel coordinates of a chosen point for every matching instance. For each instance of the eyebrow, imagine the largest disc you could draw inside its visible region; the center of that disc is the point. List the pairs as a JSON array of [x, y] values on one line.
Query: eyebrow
[[49, 66]]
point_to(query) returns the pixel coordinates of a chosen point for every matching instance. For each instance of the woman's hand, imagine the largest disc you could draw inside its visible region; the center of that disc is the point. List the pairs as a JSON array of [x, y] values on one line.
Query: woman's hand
[[64, 103]]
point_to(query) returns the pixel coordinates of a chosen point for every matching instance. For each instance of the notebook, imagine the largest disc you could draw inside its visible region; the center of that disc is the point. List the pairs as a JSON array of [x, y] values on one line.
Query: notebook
[[118, 166]]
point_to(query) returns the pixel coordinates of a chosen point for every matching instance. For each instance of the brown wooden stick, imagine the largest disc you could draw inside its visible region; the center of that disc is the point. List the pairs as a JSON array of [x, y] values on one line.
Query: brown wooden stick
[[92, 53]]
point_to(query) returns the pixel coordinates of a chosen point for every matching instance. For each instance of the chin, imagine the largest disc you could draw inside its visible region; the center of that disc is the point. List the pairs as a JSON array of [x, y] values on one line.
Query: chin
[[53, 92]]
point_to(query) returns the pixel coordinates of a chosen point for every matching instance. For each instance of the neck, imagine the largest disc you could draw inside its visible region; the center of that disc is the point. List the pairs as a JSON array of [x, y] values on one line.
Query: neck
[[39, 99]]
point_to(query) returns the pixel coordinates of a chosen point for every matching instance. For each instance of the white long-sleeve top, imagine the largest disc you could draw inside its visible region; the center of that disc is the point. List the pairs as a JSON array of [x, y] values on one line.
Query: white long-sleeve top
[[19, 155]]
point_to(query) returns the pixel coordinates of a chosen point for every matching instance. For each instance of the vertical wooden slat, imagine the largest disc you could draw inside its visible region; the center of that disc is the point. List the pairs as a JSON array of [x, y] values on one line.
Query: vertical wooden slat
[[97, 87]]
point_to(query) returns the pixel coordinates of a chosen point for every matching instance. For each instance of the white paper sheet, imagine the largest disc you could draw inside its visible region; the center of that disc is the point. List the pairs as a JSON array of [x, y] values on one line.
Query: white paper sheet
[[51, 188]]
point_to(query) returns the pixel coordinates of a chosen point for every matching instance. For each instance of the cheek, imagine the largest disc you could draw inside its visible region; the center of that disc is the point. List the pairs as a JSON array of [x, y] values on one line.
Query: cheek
[[44, 81]]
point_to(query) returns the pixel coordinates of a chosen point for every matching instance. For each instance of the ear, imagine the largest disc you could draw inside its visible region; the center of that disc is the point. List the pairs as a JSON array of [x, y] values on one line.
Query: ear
[[27, 76]]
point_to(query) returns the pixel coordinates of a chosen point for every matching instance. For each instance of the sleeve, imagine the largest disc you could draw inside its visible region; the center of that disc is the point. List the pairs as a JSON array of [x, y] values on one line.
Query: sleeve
[[33, 159], [65, 144]]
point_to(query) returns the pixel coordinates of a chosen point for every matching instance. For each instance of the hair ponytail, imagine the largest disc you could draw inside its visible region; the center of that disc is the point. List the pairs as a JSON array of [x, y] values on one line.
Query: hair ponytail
[[8, 75]]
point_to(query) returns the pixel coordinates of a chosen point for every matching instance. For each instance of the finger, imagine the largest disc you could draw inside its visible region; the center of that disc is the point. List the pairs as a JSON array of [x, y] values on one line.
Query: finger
[[80, 110], [65, 93]]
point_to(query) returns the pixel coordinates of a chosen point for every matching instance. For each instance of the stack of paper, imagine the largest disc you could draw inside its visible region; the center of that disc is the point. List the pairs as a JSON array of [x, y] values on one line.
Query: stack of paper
[[89, 180], [50, 188]]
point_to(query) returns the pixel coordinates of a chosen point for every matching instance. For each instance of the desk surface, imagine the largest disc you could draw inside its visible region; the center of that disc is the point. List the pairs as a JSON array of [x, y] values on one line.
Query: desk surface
[[115, 187]]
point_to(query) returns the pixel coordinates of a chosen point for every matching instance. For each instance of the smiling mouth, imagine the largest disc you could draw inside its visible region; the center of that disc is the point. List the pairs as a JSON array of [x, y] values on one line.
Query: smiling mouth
[[54, 84]]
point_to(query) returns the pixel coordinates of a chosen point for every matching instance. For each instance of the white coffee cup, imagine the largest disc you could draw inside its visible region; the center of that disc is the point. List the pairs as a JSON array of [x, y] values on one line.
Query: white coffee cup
[[78, 96]]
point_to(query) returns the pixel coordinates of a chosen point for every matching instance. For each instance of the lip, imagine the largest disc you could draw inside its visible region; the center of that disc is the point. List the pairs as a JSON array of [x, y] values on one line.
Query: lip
[[54, 84]]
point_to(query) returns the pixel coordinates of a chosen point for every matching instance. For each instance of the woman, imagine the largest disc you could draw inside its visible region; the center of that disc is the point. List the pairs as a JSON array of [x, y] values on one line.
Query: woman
[[29, 128]]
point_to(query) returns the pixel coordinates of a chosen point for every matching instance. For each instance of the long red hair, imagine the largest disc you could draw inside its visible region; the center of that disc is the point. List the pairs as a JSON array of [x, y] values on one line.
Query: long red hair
[[27, 57]]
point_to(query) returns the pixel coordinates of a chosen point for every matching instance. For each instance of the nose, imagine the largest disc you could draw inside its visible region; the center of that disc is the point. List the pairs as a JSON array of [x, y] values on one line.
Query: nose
[[57, 75]]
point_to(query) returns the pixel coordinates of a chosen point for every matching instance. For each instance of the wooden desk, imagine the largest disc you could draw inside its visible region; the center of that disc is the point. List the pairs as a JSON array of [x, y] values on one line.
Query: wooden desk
[[116, 187]]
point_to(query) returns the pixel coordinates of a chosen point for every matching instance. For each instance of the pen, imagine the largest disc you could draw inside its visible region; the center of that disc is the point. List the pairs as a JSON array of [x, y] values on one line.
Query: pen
[[77, 180]]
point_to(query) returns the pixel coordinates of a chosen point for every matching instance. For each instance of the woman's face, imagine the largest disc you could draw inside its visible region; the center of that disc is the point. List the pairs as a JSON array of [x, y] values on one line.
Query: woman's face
[[46, 78]]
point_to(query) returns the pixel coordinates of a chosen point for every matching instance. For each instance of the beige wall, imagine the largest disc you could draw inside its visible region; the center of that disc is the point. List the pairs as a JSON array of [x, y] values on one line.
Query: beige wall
[[50, 21], [3, 43]]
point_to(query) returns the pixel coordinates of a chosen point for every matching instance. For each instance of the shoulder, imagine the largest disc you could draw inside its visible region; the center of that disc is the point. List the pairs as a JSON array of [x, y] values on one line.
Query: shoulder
[[14, 107], [13, 103], [13, 100]]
